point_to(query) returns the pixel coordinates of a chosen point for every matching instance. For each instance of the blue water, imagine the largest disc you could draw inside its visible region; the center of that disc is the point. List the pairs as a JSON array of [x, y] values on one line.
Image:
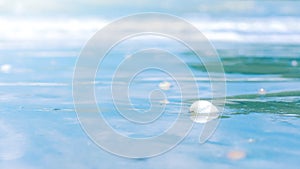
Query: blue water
[[39, 126]]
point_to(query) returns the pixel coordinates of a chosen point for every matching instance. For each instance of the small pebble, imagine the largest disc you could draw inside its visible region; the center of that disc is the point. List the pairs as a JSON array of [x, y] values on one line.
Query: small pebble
[[236, 154], [164, 85]]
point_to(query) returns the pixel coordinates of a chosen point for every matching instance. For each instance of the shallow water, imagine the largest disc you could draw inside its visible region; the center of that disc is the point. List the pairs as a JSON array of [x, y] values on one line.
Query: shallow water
[[39, 127]]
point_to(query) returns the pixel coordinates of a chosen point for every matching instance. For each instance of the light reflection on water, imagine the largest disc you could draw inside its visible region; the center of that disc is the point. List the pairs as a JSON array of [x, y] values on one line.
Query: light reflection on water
[[43, 111], [39, 127]]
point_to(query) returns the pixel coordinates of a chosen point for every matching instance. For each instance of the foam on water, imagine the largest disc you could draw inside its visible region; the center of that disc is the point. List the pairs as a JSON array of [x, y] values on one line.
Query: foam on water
[[276, 30]]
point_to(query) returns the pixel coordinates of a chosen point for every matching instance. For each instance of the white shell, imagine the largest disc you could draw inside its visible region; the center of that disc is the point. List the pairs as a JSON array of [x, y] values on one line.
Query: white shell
[[203, 111]]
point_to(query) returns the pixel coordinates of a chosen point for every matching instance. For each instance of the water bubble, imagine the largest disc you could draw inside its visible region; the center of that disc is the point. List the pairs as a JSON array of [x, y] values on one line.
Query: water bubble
[[251, 140], [236, 154], [294, 63], [6, 68], [262, 91], [164, 85], [203, 111]]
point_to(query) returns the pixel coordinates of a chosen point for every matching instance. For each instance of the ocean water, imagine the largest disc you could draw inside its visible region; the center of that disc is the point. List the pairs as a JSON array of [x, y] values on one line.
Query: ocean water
[[259, 127]]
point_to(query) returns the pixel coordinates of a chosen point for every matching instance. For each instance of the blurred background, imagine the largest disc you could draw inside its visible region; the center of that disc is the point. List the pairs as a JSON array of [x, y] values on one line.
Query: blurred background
[[258, 42]]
